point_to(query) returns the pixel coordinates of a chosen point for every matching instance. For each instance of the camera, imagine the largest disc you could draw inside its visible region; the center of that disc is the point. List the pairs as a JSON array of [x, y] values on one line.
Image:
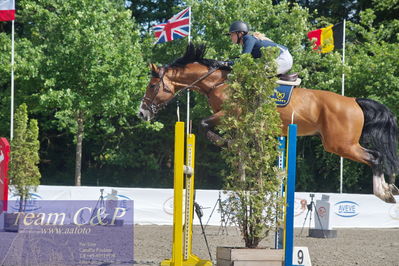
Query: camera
[[311, 195]]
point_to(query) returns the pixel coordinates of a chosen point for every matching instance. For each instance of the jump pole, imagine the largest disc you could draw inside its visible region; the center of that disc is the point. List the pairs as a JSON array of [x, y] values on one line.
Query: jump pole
[[183, 230], [279, 238]]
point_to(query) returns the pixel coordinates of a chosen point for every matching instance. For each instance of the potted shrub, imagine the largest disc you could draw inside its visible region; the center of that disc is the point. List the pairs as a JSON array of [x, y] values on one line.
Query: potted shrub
[[24, 173], [250, 126]]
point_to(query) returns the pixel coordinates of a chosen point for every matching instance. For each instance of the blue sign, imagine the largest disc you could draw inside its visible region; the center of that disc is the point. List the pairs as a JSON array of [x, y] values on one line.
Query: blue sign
[[346, 208], [31, 204]]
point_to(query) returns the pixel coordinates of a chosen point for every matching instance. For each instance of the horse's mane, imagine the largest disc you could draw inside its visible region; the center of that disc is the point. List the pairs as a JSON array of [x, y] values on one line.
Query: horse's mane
[[196, 54]]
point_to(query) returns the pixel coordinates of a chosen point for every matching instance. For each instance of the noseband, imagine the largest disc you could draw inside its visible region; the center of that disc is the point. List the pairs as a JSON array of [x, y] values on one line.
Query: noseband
[[155, 108]]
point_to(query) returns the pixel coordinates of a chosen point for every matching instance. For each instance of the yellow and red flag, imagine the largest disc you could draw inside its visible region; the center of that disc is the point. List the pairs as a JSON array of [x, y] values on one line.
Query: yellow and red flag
[[329, 38]]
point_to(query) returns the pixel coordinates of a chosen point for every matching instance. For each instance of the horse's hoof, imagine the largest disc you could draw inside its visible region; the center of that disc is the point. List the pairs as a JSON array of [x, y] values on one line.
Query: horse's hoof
[[215, 139], [393, 189], [388, 197]]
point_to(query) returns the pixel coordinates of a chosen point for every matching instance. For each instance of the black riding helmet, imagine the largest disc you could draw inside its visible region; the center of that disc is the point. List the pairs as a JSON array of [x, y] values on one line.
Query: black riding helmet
[[239, 26]]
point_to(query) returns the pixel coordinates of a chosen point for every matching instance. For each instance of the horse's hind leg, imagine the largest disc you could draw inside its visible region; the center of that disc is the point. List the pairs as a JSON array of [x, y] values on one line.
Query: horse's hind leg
[[381, 189], [357, 153]]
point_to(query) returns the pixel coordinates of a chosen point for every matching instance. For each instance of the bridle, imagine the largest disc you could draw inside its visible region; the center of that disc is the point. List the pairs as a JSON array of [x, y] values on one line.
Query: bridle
[[155, 108], [151, 106]]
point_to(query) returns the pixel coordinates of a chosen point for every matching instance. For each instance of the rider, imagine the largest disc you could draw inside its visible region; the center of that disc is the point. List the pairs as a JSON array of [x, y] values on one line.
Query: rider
[[253, 42]]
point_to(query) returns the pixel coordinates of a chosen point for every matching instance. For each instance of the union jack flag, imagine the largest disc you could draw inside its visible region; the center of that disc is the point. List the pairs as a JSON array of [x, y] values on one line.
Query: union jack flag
[[175, 28]]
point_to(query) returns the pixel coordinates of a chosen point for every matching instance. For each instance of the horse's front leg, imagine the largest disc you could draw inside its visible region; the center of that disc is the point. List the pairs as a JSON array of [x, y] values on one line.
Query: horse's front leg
[[208, 124]]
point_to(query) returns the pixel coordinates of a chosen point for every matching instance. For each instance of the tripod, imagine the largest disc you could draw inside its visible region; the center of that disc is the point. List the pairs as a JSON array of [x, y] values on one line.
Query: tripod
[[223, 219], [198, 211], [99, 205], [310, 210]]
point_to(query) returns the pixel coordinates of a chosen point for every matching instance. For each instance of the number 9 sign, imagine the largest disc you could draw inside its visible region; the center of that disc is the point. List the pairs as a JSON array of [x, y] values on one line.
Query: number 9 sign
[[301, 256]]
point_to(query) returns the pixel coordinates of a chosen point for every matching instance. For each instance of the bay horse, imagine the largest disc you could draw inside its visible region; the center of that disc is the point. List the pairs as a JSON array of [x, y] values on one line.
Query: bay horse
[[341, 122]]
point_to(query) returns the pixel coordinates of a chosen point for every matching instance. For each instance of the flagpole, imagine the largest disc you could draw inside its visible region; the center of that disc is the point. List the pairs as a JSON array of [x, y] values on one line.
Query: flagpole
[[12, 82], [188, 90], [189, 28], [343, 60], [342, 93]]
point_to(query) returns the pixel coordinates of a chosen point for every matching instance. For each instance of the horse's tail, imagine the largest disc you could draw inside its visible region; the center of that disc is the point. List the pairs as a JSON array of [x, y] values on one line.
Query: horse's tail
[[380, 132]]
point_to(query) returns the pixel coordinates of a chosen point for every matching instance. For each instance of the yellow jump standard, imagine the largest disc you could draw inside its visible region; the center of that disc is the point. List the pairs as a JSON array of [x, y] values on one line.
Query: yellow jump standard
[[183, 233]]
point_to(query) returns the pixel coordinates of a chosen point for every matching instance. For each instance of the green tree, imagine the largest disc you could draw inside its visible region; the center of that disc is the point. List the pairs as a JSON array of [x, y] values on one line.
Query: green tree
[[148, 13], [371, 71], [27, 60], [121, 150], [284, 23], [251, 125], [91, 61], [24, 172]]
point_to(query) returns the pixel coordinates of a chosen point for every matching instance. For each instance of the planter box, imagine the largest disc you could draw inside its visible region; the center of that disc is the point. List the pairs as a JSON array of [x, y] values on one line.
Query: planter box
[[15, 222], [228, 256]]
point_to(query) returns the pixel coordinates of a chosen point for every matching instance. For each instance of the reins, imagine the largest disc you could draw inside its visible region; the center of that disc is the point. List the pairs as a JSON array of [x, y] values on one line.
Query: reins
[[155, 108], [192, 85]]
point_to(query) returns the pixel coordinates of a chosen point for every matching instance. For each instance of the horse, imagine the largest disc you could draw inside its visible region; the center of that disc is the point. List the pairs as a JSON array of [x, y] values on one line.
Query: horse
[[342, 123]]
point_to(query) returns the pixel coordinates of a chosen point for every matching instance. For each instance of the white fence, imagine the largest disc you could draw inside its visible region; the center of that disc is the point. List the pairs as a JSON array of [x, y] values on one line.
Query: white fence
[[155, 206]]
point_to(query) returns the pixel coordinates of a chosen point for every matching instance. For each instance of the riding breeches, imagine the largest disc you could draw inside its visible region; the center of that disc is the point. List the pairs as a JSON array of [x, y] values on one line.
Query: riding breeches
[[284, 62]]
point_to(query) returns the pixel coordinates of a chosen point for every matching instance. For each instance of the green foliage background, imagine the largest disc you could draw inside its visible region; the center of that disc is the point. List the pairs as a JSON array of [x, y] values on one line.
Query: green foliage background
[[92, 57]]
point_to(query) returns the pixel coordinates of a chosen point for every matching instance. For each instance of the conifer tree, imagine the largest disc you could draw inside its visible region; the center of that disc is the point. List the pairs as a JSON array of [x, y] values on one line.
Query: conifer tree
[[24, 171], [251, 125]]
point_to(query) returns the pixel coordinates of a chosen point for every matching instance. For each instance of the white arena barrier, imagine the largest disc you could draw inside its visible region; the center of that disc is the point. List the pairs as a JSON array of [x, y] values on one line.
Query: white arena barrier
[[155, 206]]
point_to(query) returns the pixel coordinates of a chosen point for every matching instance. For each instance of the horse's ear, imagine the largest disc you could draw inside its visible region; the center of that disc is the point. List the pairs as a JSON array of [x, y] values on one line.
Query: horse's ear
[[154, 68], [155, 71]]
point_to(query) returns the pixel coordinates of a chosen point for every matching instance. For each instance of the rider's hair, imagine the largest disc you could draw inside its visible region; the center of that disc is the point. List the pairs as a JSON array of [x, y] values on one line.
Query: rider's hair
[[261, 36]]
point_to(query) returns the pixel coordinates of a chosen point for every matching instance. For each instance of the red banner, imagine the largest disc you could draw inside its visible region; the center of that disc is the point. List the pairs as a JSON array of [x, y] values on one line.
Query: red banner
[[4, 160]]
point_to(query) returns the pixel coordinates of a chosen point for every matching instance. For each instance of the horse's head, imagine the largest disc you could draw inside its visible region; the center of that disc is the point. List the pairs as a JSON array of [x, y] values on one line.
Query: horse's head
[[191, 71], [159, 92]]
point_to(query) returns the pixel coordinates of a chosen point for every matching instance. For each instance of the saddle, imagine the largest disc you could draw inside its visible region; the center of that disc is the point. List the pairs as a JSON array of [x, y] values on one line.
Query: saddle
[[289, 79]]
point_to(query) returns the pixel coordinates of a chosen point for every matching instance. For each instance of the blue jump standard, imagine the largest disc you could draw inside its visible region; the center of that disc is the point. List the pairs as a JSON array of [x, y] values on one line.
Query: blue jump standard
[[291, 176]]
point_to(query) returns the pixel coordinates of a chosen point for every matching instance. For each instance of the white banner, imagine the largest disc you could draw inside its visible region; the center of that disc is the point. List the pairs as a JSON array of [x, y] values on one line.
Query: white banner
[[155, 206]]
